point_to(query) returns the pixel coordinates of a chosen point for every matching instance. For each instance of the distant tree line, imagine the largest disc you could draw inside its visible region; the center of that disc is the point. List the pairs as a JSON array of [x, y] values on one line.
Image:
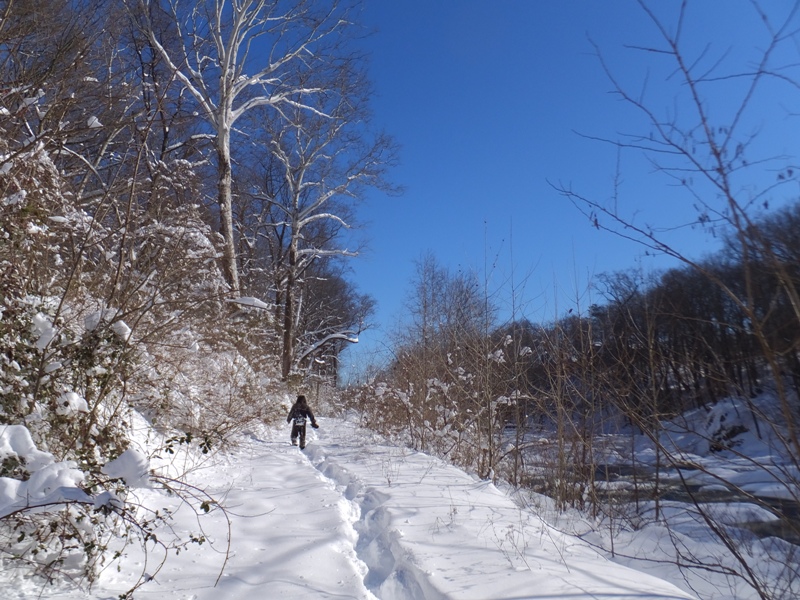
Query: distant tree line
[[660, 345], [544, 406]]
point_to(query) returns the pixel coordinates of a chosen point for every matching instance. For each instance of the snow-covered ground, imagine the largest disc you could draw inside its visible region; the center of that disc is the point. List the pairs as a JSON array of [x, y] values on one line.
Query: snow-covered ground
[[351, 517]]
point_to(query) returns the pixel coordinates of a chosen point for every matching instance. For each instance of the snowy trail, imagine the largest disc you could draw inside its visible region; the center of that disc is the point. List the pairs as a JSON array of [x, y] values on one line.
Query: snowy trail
[[429, 530], [350, 518], [291, 534]]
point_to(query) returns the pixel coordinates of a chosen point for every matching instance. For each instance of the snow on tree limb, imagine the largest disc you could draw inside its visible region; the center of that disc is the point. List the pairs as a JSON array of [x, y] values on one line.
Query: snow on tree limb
[[249, 301], [347, 336]]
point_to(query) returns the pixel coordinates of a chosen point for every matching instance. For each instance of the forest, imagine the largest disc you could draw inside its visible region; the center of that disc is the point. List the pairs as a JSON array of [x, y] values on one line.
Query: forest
[[178, 184]]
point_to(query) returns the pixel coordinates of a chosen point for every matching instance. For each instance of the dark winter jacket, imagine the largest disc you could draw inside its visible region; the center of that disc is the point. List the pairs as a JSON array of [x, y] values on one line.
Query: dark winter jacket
[[301, 413]]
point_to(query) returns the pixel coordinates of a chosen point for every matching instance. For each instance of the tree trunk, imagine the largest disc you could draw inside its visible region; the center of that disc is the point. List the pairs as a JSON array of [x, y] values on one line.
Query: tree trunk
[[225, 200], [288, 313]]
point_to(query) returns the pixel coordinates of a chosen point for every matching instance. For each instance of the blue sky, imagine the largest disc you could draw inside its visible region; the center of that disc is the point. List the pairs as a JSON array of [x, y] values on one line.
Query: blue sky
[[488, 100]]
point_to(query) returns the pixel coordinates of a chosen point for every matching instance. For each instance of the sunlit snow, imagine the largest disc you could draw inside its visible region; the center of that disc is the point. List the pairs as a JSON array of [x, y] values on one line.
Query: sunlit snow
[[352, 517]]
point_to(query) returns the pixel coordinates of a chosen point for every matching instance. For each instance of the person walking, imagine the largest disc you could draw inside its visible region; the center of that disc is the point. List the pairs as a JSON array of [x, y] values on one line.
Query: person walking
[[298, 415]]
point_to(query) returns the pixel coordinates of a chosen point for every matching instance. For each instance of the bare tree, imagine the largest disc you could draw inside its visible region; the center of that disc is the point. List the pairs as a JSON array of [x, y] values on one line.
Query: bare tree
[[717, 164], [322, 161], [234, 56], [709, 160], [332, 306]]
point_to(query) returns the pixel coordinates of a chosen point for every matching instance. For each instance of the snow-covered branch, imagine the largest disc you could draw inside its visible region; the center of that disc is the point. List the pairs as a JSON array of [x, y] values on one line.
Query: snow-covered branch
[[346, 336]]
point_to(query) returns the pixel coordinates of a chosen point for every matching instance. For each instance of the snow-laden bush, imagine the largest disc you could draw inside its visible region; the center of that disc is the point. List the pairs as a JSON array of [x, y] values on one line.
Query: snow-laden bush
[[203, 391], [436, 417], [81, 299], [49, 522]]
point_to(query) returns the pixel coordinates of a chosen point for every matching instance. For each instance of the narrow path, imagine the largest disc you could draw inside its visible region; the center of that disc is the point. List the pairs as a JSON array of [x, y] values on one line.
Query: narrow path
[[291, 537]]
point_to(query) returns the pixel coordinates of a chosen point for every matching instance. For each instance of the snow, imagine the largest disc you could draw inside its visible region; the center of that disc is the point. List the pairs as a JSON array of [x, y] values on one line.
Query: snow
[[92, 320], [15, 198], [16, 441], [354, 516], [43, 330], [121, 329], [132, 466], [756, 464], [107, 315], [50, 481], [70, 404], [350, 517], [250, 301], [429, 530]]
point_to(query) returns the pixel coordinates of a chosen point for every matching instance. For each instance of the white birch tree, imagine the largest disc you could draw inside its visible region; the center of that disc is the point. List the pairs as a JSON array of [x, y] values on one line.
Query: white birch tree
[[234, 56]]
